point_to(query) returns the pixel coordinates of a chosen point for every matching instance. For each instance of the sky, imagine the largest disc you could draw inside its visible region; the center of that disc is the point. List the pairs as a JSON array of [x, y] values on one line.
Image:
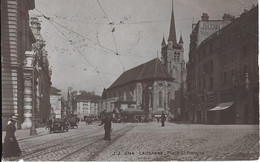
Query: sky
[[85, 54]]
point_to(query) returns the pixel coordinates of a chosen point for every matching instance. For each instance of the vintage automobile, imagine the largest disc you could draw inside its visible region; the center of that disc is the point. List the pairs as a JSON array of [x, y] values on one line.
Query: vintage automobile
[[73, 121], [89, 120], [59, 125]]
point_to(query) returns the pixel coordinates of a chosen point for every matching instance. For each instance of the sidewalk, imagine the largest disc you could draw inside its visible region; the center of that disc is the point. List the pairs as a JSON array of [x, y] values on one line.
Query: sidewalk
[[22, 134]]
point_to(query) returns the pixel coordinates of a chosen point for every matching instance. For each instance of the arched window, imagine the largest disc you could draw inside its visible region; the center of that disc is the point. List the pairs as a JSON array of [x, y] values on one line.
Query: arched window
[[151, 100], [125, 94], [160, 99], [178, 57]]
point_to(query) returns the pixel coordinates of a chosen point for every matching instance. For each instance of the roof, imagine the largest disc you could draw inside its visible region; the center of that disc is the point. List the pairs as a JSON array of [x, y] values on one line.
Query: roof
[[231, 25], [55, 91], [151, 70], [172, 35], [86, 96], [163, 41], [180, 41]]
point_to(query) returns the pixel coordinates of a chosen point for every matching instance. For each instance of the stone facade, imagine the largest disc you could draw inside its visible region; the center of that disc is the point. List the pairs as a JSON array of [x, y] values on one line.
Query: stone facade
[[223, 69], [173, 60], [150, 95], [16, 39]]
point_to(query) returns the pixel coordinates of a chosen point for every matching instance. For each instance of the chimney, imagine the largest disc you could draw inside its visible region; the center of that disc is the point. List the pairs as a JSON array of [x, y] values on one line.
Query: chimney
[[228, 17], [205, 17]]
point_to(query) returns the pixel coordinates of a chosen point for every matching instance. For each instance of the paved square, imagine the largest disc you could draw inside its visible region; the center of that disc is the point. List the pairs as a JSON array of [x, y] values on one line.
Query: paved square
[[145, 141]]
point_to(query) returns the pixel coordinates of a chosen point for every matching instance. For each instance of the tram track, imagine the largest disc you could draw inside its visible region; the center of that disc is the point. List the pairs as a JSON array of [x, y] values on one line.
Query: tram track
[[60, 142], [93, 156]]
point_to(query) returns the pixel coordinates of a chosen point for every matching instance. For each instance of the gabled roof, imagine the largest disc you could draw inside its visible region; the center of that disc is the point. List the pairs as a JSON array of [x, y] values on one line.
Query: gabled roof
[[152, 70], [87, 97], [55, 91]]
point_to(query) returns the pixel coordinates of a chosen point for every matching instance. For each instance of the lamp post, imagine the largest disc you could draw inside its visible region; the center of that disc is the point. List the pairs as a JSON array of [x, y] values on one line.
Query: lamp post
[[33, 127]]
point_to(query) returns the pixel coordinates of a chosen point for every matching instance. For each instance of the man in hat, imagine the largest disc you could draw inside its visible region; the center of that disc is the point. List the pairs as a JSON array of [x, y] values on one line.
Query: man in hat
[[107, 126], [163, 118], [11, 147]]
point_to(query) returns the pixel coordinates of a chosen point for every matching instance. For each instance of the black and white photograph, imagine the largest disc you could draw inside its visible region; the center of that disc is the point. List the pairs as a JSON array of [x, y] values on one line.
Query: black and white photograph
[[136, 80]]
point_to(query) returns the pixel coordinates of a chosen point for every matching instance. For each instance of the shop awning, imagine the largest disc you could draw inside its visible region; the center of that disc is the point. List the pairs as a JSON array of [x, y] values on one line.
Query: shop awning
[[222, 106]]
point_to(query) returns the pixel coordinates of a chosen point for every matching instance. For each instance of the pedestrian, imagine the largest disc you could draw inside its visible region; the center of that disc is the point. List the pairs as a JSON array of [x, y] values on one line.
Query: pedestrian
[[11, 147], [107, 126], [163, 118]]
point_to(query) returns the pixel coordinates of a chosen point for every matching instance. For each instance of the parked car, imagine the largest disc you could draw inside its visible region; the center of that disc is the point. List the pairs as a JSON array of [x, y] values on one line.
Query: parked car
[[59, 125]]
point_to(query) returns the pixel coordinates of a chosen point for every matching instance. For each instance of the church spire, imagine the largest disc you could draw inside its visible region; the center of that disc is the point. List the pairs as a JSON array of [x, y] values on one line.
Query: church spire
[[181, 40], [163, 41], [172, 35]]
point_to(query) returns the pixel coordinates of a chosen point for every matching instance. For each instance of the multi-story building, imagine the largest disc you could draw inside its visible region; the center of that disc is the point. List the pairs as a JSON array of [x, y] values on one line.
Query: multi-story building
[[86, 104], [223, 73], [200, 31], [16, 39], [56, 102]]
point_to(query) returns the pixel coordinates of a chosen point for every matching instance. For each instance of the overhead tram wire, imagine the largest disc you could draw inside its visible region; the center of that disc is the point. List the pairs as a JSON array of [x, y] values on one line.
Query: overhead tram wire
[[48, 18], [95, 68], [112, 34], [84, 37]]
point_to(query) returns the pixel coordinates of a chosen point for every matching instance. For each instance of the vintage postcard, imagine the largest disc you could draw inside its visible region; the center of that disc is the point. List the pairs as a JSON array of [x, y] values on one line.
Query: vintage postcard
[[138, 80]]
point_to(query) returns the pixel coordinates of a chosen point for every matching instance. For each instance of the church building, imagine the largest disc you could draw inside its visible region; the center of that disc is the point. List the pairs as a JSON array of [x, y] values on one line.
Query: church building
[[173, 60], [151, 86]]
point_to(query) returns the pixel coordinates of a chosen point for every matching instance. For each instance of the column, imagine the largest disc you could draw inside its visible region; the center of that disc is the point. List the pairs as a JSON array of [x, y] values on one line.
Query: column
[[27, 103]]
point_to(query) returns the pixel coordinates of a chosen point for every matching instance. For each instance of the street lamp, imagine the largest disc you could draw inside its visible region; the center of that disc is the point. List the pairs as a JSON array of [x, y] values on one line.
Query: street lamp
[[33, 127]]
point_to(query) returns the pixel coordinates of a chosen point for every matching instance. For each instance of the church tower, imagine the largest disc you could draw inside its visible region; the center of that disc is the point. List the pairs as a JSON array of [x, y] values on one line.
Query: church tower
[[172, 55]]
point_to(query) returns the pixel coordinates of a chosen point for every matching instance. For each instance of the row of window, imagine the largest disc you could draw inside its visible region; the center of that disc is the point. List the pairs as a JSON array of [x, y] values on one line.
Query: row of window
[[176, 57], [221, 44], [86, 104]]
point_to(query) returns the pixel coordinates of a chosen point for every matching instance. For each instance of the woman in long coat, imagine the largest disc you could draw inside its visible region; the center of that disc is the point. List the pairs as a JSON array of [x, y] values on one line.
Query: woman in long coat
[[11, 147]]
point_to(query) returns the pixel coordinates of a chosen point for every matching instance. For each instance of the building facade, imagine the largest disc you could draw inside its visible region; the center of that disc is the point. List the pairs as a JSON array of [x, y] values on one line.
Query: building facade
[[56, 102], [16, 39], [86, 104], [223, 73], [43, 83], [200, 31], [147, 87]]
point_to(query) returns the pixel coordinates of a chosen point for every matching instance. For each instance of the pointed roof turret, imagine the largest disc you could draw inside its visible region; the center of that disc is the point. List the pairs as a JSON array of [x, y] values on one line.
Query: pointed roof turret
[[163, 41], [172, 35], [181, 41]]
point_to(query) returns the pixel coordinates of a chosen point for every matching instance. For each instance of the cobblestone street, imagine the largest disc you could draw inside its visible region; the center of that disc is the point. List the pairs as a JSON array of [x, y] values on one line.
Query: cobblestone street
[[144, 141]]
